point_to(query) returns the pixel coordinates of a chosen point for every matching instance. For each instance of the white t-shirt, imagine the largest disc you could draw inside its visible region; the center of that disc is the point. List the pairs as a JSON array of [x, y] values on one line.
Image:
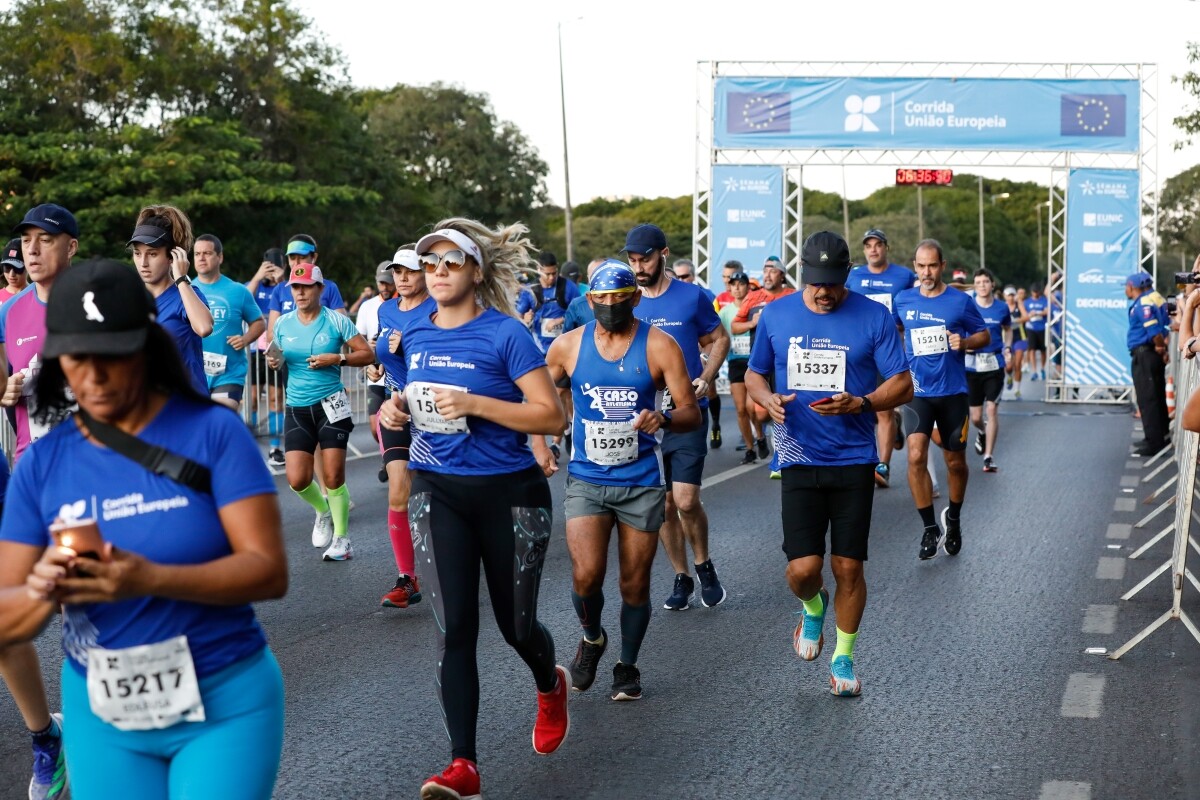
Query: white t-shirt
[[367, 323]]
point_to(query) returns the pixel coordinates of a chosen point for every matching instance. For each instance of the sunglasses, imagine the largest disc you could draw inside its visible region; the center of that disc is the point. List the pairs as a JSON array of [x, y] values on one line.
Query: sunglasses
[[453, 259], [13, 268]]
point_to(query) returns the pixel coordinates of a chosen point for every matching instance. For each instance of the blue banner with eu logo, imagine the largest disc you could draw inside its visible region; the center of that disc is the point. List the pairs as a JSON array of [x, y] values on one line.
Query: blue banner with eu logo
[[746, 221], [1102, 251], [927, 113]]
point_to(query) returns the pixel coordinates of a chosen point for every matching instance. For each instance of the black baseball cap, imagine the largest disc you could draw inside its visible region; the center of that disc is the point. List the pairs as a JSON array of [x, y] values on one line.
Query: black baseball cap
[[98, 307], [739, 277], [875, 233], [51, 218], [13, 257], [825, 258]]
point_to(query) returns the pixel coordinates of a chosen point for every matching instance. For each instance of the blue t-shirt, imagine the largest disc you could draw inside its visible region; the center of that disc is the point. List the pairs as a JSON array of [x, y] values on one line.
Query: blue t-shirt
[[607, 394], [712, 298], [485, 356], [283, 303], [579, 313], [392, 319], [152, 516], [525, 300], [1034, 305], [684, 312], [942, 373], [996, 317], [550, 311], [232, 306], [262, 296], [173, 317], [857, 341], [325, 334], [883, 287]]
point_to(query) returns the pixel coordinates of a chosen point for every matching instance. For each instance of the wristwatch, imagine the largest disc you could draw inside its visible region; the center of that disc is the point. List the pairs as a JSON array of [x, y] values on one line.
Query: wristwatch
[[666, 420], [342, 358], [865, 407], [183, 279]]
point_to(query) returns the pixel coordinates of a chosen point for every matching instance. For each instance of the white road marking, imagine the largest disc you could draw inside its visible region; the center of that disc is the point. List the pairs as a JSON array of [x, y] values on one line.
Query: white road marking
[[1100, 619], [1066, 790], [1125, 504], [1118, 530], [1084, 697], [1110, 569], [734, 472], [1130, 480]]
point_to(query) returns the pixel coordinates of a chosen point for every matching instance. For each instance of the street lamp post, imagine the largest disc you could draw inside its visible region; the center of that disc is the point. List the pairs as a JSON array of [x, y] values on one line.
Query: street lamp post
[[562, 94], [982, 262]]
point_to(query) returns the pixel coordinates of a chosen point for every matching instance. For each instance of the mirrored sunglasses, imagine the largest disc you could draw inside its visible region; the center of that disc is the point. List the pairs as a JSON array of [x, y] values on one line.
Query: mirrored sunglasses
[[453, 259]]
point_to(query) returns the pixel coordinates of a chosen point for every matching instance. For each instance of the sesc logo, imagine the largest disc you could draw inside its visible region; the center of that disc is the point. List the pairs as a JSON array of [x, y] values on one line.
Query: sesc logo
[[1091, 276]]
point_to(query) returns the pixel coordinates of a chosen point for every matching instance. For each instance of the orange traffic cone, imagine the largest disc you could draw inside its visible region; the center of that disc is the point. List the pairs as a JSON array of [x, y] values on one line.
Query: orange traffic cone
[[1170, 396]]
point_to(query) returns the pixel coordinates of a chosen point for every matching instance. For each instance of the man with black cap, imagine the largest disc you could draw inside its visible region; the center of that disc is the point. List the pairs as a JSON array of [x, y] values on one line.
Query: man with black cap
[[49, 238], [940, 325], [1147, 342], [15, 279], [880, 280], [826, 345], [683, 311]]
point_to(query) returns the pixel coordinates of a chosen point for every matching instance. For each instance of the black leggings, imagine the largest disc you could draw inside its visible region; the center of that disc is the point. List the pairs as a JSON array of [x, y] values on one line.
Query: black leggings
[[503, 522]]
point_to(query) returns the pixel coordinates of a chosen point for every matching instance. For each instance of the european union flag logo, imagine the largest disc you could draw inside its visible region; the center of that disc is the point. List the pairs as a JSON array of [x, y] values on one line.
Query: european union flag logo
[[1093, 115], [758, 112]]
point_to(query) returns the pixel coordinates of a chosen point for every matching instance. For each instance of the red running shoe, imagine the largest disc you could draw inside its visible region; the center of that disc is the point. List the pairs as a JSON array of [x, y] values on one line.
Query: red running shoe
[[460, 781], [405, 593], [553, 721]]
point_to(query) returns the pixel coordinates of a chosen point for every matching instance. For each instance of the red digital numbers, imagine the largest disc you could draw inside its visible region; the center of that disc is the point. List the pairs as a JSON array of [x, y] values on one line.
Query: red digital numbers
[[924, 177]]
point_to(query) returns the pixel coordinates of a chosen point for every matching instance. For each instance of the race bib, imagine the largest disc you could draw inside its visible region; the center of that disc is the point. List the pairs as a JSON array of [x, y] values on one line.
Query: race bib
[[816, 370], [144, 688], [930, 341], [214, 363], [983, 362], [551, 328], [423, 408], [740, 346], [884, 299], [610, 444], [337, 406]]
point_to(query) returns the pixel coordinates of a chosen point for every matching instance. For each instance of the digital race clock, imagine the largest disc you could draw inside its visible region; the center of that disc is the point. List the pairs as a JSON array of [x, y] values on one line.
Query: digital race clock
[[924, 177]]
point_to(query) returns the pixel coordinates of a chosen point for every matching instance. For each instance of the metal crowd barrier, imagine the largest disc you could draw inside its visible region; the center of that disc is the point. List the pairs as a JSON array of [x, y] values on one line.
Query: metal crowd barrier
[[1180, 454]]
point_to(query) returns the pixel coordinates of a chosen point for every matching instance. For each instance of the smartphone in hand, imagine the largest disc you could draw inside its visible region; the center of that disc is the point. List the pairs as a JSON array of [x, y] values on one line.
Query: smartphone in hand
[[820, 402], [82, 536]]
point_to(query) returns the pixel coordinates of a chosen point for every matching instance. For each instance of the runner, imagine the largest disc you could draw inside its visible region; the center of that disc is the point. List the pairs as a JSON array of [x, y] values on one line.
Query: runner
[[739, 357], [270, 272], [367, 323], [1037, 309], [579, 313], [685, 270], [309, 340], [412, 303], [160, 242], [616, 364], [237, 321], [731, 267], [172, 579], [683, 311], [985, 367], [49, 238], [1020, 341], [880, 280], [552, 297], [15, 279], [831, 344], [940, 324], [774, 286], [478, 387]]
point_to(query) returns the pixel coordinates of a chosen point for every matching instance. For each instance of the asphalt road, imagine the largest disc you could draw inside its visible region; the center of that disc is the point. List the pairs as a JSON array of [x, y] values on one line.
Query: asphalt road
[[976, 683]]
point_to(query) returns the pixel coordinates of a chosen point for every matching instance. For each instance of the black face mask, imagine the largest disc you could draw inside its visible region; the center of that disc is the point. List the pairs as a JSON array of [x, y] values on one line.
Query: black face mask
[[615, 318]]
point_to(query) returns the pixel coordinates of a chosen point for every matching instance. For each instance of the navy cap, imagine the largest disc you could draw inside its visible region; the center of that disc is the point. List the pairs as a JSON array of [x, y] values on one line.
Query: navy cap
[[51, 218], [1140, 280], [874, 233], [739, 277], [645, 238]]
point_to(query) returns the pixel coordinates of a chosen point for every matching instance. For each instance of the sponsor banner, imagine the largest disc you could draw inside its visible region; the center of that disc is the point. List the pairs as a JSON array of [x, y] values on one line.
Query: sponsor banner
[[746, 222], [1101, 252], [927, 113]]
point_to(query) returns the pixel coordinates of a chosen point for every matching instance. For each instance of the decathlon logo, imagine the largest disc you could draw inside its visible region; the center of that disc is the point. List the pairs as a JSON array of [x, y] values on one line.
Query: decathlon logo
[[614, 402], [858, 111]]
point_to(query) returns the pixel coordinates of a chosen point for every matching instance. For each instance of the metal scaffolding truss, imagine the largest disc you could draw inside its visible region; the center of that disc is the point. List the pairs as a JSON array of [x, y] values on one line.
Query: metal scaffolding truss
[[1057, 163]]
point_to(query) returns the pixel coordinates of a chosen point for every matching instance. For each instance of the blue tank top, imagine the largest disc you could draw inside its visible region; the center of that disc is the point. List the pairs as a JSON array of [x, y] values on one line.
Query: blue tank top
[[607, 397]]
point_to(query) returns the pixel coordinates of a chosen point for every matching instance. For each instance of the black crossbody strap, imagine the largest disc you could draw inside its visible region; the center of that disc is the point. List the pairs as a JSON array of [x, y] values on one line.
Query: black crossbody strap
[[158, 460]]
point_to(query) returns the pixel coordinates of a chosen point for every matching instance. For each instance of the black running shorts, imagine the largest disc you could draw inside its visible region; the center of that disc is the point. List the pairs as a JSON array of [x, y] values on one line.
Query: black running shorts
[[984, 386], [951, 414], [833, 499]]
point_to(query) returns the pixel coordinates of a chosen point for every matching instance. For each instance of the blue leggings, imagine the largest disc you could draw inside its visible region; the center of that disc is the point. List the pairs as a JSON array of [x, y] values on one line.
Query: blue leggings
[[234, 754]]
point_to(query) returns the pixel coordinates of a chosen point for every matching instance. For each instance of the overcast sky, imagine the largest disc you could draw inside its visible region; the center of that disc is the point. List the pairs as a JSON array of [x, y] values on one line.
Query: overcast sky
[[631, 67]]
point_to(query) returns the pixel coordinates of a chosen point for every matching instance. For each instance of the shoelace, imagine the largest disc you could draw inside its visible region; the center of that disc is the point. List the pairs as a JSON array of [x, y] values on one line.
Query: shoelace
[[626, 675], [590, 656], [45, 764], [843, 669]]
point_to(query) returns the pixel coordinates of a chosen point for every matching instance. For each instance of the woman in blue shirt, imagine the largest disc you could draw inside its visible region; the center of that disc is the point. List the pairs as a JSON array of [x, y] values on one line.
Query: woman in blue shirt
[[167, 671], [476, 387], [160, 243]]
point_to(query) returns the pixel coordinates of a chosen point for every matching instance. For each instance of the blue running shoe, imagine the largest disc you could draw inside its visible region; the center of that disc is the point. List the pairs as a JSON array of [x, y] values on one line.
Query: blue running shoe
[[49, 780], [712, 593], [681, 594], [841, 678], [809, 636]]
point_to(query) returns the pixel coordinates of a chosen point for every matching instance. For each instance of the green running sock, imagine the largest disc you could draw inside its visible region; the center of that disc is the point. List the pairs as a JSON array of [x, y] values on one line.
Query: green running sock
[[311, 494], [845, 644], [814, 606], [339, 505]]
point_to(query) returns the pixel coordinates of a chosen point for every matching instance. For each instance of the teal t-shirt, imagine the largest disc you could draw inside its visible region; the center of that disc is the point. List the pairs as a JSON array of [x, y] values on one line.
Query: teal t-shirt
[[232, 307], [325, 334]]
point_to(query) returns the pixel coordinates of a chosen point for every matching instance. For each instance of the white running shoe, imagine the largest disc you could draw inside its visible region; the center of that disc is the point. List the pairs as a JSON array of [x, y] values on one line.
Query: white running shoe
[[340, 550], [322, 530]]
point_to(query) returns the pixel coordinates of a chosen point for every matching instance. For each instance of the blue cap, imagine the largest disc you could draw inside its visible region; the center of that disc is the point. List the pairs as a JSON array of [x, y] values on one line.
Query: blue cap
[[51, 218], [612, 276], [1140, 280], [300, 248], [645, 238]]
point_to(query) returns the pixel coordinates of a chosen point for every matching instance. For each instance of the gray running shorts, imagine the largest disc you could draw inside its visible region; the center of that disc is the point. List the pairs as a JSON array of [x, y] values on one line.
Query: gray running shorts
[[641, 507]]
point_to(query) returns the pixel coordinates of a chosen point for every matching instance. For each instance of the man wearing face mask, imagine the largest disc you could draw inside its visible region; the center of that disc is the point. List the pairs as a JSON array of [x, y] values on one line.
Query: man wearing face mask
[[683, 311], [615, 366]]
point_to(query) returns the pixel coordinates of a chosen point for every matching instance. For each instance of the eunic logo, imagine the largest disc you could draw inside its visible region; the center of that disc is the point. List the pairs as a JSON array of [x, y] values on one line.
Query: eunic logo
[[745, 214], [1102, 220], [857, 110], [1091, 276]]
